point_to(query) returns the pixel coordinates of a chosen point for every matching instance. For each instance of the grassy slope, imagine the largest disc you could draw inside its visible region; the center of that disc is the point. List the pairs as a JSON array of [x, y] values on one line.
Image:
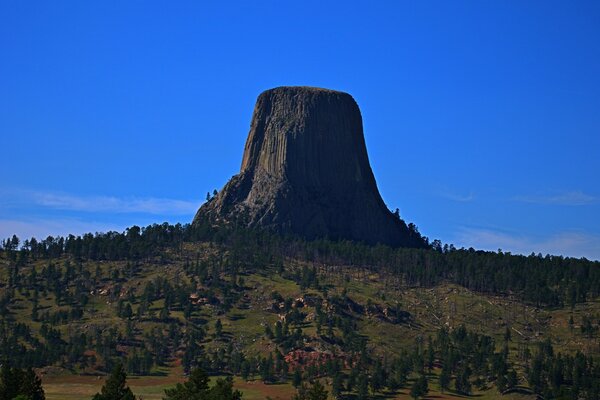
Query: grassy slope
[[431, 308]]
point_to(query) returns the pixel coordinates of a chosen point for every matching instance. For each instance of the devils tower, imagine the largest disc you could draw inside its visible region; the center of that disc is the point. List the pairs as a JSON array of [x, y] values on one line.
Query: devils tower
[[305, 171]]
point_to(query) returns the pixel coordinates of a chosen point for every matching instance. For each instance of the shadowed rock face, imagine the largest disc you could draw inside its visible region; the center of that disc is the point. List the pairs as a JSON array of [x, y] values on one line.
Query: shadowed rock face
[[305, 171]]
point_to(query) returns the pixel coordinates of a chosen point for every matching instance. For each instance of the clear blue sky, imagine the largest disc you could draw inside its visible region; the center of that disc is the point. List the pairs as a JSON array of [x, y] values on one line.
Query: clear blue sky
[[482, 119]]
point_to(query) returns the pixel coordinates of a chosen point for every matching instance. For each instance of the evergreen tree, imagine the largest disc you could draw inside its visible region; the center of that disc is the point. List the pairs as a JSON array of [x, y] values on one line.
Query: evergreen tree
[[430, 354], [363, 387], [462, 382], [507, 335], [336, 385], [198, 381], [315, 392], [501, 383], [10, 382], [197, 388], [512, 379], [31, 386], [378, 378], [223, 390], [297, 378], [115, 387], [245, 369], [420, 388], [15, 383], [444, 379], [278, 331], [218, 328]]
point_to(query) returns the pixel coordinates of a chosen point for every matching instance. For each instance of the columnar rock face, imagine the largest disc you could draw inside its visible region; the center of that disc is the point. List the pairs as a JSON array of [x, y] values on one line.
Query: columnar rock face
[[305, 171]]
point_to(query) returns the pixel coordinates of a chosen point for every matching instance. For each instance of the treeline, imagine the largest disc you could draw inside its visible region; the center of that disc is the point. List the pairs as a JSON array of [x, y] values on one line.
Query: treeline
[[552, 281], [133, 244], [545, 281], [152, 336]]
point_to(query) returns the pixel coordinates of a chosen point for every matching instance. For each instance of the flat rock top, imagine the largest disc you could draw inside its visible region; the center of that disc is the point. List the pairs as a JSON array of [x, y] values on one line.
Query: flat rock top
[[306, 89], [305, 94]]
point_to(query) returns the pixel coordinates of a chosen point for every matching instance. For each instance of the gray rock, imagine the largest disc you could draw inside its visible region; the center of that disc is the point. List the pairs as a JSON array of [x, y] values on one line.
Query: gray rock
[[305, 171]]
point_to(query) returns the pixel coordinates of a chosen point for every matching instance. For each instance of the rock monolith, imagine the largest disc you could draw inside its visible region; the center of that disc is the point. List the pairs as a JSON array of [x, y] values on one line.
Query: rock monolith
[[305, 171]]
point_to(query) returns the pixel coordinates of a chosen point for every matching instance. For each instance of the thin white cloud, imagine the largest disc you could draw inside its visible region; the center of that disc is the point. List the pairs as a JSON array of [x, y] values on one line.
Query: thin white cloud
[[111, 204], [459, 197], [572, 244], [42, 228], [576, 198]]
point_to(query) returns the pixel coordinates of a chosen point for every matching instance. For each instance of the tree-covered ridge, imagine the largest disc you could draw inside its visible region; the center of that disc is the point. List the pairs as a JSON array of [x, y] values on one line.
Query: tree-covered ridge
[[542, 280], [132, 244], [254, 305]]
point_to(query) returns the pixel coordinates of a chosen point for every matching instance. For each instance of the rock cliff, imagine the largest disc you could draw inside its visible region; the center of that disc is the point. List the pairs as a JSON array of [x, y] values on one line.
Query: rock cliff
[[305, 171]]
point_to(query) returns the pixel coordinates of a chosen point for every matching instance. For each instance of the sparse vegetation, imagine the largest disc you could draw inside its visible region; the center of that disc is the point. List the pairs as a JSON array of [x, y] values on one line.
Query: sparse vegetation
[[360, 321]]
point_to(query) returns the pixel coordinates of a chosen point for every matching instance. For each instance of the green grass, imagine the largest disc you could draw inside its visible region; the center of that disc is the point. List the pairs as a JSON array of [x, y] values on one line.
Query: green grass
[[431, 308], [151, 388]]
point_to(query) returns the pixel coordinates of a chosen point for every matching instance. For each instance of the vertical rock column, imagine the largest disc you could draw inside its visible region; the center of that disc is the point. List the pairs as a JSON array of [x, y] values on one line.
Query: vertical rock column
[[305, 171]]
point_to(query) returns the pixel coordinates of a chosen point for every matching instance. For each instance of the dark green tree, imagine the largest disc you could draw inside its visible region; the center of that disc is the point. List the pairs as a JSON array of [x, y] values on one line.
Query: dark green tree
[[315, 392], [420, 388], [10, 382], [363, 387], [337, 385], [115, 387], [378, 378], [297, 378], [31, 386], [15, 383], [462, 382], [512, 379], [197, 388], [218, 328], [223, 390], [444, 379]]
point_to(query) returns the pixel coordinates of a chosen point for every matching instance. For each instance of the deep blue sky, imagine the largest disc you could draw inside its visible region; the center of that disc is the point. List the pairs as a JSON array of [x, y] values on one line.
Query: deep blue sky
[[482, 119]]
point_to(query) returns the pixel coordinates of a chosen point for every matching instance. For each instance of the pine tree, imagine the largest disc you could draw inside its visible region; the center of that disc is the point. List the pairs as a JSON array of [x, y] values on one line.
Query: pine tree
[[378, 378], [197, 388], [31, 386], [315, 392], [430, 354], [336, 385], [16, 383], [462, 382], [444, 379], [115, 387], [297, 378], [363, 387], [218, 328], [420, 388], [512, 379], [501, 383], [194, 387], [223, 390], [10, 382]]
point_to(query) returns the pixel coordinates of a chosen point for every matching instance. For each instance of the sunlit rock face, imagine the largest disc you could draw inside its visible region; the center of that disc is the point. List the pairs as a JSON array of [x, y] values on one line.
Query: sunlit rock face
[[305, 171]]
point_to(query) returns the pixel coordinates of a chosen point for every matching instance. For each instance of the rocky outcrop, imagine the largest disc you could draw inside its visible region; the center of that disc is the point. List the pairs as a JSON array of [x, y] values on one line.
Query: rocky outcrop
[[305, 171]]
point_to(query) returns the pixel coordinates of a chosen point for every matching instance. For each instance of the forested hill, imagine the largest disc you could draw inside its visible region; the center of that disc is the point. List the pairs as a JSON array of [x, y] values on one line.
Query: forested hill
[[542, 280], [365, 320]]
